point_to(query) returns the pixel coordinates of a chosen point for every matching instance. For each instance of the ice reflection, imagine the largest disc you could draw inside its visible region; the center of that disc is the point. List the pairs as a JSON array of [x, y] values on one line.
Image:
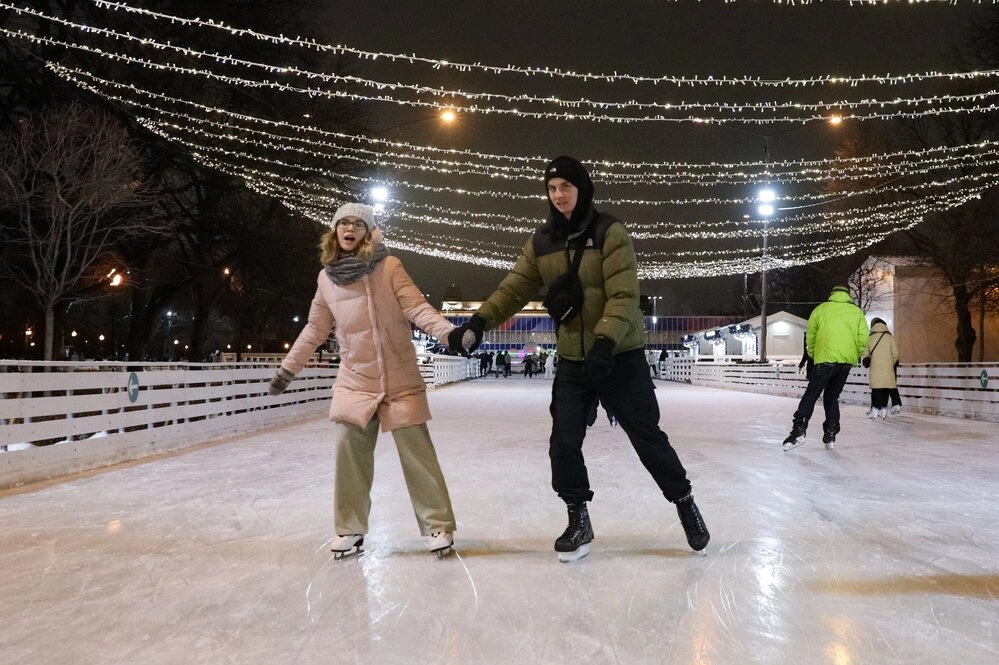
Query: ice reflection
[[882, 553], [766, 561]]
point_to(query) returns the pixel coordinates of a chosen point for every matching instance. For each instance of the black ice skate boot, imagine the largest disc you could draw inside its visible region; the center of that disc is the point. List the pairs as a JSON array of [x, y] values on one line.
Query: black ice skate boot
[[693, 524], [829, 433], [574, 543], [797, 435]]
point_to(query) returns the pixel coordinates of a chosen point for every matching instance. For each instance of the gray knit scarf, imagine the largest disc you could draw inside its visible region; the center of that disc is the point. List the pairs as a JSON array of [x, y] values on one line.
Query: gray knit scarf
[[349, 269]]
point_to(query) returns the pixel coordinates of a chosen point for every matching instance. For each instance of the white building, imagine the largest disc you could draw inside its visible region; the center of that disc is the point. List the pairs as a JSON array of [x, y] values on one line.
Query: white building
[[915, 301], [785, 338]]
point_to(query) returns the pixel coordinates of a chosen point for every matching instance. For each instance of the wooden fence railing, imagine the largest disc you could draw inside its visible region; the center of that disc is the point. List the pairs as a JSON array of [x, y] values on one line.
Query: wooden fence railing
[[58, 418], [961, 390]]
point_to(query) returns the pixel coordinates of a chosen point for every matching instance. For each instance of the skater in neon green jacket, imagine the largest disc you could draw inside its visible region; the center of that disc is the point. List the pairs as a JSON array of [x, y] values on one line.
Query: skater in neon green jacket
[[836, 337]]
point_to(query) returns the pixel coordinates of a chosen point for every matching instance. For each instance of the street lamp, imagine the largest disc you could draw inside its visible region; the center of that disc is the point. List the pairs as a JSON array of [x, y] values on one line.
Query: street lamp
[[766, 207], [766, 199], [115, 280], [379, 194], [166, 341], [446, 116]]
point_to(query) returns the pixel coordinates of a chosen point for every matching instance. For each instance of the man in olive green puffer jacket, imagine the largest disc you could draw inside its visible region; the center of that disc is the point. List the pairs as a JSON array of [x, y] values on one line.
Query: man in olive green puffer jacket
[[601, 345], [835, 339]]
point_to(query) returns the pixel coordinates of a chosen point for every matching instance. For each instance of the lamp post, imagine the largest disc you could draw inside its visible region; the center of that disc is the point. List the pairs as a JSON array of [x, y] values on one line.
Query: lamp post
[[766, 209], [379, 194], [653, 337], [446, 116], [116, 280], [166, 342]]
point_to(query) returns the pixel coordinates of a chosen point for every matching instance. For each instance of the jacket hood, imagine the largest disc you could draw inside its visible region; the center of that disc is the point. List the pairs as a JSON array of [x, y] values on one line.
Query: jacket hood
[[840, 296], [879, 328]]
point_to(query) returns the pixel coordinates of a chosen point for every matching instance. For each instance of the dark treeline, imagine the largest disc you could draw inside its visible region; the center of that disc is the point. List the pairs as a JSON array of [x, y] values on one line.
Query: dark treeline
[[201, 258]]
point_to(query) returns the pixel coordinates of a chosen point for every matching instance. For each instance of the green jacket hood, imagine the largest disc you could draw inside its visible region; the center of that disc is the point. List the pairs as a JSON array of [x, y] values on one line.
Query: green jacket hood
[[840, 296]]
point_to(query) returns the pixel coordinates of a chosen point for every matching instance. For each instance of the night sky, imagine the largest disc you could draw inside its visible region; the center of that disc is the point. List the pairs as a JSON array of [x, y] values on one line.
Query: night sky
[[685, 189], [653, 37]]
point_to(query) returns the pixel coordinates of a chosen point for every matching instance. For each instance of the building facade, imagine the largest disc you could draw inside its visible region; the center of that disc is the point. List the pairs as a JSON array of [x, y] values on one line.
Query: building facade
[[915, 301]]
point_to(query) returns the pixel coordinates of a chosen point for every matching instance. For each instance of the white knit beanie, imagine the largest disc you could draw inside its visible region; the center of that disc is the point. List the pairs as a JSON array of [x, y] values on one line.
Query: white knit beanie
[[363, 212]]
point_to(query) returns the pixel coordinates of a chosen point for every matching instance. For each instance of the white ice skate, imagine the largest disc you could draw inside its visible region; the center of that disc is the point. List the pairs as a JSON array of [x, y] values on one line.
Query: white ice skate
[[883, 413], [895, 410], [441, 543], [872, 413], [344, 546]]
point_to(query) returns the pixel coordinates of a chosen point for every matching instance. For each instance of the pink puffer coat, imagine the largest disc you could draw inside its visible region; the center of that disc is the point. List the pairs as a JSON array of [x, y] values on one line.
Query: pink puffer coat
[[378, 370]]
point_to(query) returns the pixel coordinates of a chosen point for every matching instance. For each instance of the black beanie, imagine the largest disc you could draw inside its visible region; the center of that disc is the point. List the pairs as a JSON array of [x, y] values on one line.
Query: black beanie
[[569, 168]]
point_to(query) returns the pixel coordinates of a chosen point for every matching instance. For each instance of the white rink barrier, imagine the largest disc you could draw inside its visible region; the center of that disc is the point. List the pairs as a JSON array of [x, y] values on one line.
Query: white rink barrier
[[960, 390], [58, 418]]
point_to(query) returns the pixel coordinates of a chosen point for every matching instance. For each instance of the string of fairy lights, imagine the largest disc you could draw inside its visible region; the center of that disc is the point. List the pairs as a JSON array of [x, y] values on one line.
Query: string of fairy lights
[[470, 206], [397, 154], [678, 111], [555, 73], [905, 162]]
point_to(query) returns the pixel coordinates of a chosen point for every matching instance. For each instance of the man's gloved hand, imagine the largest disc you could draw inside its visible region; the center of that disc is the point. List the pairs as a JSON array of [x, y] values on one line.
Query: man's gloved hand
[[281, 381], [467, 337], [599, 361]]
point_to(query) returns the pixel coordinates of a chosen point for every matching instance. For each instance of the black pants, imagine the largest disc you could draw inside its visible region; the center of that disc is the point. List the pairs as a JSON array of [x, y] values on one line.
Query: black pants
[[630, 395], [828, 380], [896, 398], [879, 398]]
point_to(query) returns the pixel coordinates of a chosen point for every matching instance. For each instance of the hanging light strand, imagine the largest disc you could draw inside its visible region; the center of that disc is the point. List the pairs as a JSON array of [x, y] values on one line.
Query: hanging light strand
[[553, 72]]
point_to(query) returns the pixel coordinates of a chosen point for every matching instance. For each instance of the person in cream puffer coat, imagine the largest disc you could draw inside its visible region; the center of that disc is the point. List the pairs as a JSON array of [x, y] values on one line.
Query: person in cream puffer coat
[[882, 349], [367, 297]]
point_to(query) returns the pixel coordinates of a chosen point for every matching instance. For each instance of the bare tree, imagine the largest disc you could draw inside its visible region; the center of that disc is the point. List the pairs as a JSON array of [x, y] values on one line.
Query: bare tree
[[70, 186], [870, 285], [987, 288]]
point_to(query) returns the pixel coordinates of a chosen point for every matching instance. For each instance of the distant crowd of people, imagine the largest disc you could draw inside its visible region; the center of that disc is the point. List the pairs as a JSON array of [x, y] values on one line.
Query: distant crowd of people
[[499, 363]]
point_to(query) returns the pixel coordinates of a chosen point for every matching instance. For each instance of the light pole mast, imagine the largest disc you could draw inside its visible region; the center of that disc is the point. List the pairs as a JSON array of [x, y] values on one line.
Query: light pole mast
[[766, 209]]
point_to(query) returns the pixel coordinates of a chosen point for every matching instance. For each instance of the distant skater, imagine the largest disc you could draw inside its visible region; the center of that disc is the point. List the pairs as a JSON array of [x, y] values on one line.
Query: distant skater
[[880, 358], [835, 338]]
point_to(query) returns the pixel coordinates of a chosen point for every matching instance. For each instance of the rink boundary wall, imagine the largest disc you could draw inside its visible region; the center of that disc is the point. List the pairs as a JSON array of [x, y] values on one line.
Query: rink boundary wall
[[61, 418], [938, 389]]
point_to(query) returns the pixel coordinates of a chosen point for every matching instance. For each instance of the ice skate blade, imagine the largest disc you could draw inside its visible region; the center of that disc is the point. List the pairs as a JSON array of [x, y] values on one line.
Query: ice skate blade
[[791, 445], [569, 557], [444, 552], [343, 554]]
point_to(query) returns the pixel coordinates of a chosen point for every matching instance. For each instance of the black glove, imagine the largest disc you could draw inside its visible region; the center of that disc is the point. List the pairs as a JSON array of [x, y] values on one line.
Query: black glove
[[467, 337], [281, 381], [599, 361]]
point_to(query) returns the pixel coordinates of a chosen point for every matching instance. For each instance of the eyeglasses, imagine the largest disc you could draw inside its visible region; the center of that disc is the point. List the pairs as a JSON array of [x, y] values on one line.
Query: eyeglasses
[[356, 224]]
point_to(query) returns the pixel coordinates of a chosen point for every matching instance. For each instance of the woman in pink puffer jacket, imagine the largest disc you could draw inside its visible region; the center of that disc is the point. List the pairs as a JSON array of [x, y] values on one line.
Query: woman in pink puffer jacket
[[367, 297]]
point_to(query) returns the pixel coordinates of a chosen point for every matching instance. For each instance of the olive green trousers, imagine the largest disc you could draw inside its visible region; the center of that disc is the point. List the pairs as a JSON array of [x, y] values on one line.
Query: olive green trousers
[[355, 473]]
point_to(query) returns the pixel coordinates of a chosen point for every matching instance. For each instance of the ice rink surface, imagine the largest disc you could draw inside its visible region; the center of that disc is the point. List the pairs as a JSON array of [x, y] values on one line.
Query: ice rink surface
[[885, 550]]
